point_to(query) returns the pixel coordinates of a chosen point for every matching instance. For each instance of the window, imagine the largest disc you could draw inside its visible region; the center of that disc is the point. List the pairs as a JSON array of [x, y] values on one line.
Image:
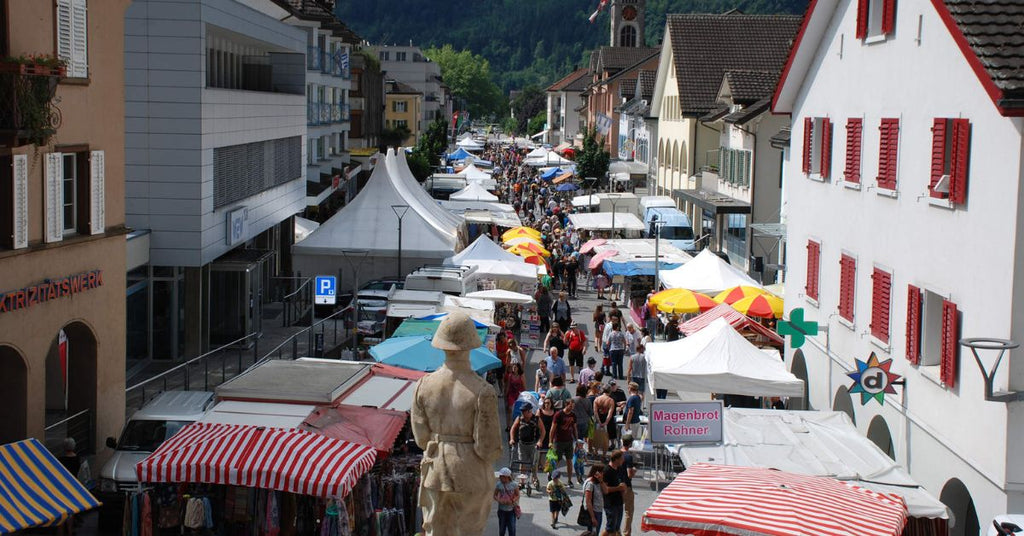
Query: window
[[933, 331], [385, 56], [399, 106], [240, 171], [813, 266], [399, 56], [69, 183], [734, 166], [817, 157], [875, 18], [881, 297], [951, 153], [847, 286], [72, 41], [888, 152], [627, 37], [854, 138], [401, 123], [75, 193]]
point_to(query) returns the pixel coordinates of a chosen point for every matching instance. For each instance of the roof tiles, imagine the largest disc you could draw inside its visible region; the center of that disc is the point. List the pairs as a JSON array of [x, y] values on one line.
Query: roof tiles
[[995, 31]]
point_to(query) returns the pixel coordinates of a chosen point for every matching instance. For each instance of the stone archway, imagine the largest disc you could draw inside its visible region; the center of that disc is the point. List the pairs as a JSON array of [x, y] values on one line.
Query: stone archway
[[878, 433], [843, 402], [957, 498], [13, 395], [799, 369], [71, 375]]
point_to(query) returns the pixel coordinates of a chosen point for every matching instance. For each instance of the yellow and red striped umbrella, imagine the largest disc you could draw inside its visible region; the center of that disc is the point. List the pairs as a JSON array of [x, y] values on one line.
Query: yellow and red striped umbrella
[[683, 301], [529, 248], [735, 294], [761, 306], [520, 231]]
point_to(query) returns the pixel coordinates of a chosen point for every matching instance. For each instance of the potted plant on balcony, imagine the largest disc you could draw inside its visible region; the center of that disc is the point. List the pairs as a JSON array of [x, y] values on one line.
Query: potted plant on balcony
[[28, 87]]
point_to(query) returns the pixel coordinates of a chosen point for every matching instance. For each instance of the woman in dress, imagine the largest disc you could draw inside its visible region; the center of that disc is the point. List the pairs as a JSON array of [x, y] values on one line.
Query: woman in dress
[[515, 384], [599, 320]]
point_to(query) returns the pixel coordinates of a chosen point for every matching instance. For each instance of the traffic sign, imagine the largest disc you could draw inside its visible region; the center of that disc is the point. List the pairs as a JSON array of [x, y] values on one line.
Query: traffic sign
[[326, 290], [797, 328]]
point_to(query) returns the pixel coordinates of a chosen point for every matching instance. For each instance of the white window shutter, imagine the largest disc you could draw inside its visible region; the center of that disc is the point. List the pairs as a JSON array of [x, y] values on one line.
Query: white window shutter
[[20, 195], [79, 40], [97, 215], [64, 24], [54, 197]]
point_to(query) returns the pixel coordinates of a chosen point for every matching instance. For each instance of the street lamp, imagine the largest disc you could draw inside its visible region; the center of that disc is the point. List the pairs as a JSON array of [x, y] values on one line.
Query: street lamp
[[355, 257], [613, 199], [400, 211], [657, 261]]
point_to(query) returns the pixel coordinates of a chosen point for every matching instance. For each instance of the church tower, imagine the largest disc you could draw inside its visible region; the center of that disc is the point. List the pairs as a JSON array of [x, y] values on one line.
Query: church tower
[[628, 23]]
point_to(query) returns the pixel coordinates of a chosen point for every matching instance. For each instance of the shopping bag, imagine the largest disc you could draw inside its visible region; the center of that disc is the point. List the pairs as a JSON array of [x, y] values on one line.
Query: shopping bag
[[583, 518], [518, 511], [566, 504], [590, 429], [552, 460], [600, 440]]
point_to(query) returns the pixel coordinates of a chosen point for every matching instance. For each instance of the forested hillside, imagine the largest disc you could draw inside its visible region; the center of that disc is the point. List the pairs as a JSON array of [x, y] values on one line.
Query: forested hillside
[[526, 41]]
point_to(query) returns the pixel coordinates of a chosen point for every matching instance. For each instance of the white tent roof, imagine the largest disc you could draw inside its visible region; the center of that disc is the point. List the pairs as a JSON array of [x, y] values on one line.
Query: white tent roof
[[414, 193], [536, 153], [473, 192], [707, 273], [503, 296], [482, 249], [603, 221], [586, 201], [303, 227], [369, 223], [472, 172], [717, 359], [551, 158], [470, 144], [505, 270], [820, 443]]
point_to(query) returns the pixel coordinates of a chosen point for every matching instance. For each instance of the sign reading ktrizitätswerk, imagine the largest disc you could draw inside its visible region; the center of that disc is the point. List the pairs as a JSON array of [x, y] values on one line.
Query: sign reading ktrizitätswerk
[[686, 422]]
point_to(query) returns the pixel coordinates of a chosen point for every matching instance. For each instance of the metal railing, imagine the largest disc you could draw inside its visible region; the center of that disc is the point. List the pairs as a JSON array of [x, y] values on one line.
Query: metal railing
[[312, 113], [314, 58], [318, 340], [296, 297], [78, 427], [195, 374]]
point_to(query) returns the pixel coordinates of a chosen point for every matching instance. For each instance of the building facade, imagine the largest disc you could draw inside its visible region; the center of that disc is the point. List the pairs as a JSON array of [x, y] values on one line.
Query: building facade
[[903, 214], [216, 119], [62, 244], [367, 101], [408, 65], [563, 117], [402, 108]]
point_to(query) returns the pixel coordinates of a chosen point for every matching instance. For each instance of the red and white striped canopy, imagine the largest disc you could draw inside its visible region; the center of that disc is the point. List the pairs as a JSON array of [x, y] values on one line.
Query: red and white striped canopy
[[289, 460], [723, 500]]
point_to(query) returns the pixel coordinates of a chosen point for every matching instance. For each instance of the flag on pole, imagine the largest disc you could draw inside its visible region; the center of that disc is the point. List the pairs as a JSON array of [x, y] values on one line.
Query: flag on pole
[[455, 119], [600, 8]]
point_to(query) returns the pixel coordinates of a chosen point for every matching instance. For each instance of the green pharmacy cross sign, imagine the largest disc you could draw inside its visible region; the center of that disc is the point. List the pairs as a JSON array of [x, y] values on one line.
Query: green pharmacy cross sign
[[797, 328]]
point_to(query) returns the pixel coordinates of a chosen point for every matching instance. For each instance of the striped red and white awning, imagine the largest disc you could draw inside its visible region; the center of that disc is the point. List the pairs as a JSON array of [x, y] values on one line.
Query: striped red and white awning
[[289, 460], [721, 500]]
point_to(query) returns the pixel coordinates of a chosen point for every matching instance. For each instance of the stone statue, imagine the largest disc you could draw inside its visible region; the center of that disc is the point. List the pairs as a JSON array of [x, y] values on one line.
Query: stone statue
[[455, 422]]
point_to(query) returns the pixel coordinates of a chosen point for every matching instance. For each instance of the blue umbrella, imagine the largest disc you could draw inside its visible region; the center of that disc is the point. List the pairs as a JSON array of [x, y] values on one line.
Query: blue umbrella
[[416, 353], [566, 187]]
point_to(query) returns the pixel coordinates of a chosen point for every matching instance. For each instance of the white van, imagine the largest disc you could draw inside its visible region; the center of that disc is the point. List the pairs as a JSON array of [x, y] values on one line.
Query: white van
[[648, 202], [452, 280]]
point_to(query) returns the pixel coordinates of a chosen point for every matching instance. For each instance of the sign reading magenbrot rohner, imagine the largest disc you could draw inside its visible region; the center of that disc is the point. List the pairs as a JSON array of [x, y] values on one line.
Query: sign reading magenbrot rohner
[[686, 422]]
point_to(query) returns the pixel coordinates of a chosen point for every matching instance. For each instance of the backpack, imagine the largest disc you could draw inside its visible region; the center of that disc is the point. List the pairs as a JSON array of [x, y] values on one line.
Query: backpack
[[528, 430]]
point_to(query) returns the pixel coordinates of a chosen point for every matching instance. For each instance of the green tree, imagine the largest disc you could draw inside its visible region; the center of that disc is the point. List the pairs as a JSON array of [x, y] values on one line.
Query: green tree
[[537, 123], [592, 160], [419, 165], [428, 151], [510, 126], [393, 137], [468, 76], [527, 104]]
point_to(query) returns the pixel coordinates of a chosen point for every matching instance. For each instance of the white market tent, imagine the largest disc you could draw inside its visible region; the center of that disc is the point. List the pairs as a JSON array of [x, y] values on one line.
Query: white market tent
[[470, 144], [415, 195], [472, 172], [493, 262], [586, 201], [483, 212], [642, 249], [501, 296], [550, 158], [537, 153], [819, 443], [717, 359], [303, 227], [429, 233], [482, 249], [706, 273], [606, 221], [473, 192]]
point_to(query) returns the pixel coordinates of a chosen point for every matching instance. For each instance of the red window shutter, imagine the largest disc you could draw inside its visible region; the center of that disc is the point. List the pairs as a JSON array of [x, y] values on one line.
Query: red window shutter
[[961, 158], [881, 282], [888, 16], [853, 140], [813, 256], [887, 153], [847, 276], [826, 148], [938, 155], [862, 18], [913, 325], [950, 343], [808, 138]]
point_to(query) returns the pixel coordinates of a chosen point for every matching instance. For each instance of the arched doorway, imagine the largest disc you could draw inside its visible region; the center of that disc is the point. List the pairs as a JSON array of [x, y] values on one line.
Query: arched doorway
[[957, 498], [799, 369], [13, 395], [71, 387], [878, 433], [843, 402]]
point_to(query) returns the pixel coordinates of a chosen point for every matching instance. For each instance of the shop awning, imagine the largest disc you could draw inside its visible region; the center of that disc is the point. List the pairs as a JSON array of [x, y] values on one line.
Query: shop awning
[[289, 460], [35, 489], [735, 319], [374, 427]]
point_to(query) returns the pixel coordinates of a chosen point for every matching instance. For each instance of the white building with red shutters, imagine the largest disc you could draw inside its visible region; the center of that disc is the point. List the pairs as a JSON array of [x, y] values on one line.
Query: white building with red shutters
[[904, 209]]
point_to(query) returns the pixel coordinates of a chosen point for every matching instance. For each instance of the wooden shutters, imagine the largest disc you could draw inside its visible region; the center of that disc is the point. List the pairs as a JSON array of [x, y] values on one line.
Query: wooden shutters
[[913, 325], [882, 27], [813, 265], [881, 293], [97, 185], [888, 150], [960, 153], [826, 148], [950, 344], [862, 18], [54, 197], [938, 156], [19, 199], [72, 37], [808, 144], [854, 134], [888, 16], [847, 286]]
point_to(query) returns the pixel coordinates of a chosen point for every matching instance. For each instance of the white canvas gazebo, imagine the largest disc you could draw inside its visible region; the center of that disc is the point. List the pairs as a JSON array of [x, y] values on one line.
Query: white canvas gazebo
[[473, 192], [707, 273]]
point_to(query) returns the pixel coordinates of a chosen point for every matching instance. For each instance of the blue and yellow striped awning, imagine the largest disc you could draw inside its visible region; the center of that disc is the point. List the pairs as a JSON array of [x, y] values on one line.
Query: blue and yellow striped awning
[[35, 489]]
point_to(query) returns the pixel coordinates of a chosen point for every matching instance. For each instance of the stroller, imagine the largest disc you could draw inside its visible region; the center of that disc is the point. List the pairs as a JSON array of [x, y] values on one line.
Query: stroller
[[523, 469]]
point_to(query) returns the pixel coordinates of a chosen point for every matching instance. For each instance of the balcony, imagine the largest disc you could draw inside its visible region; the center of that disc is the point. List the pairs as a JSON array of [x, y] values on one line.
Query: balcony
[[314, 59], [29, 114]]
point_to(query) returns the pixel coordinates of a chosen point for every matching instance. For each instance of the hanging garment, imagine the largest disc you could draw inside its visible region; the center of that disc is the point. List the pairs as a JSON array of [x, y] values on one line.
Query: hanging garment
[[195, 516], [272, 518], [146, 527]]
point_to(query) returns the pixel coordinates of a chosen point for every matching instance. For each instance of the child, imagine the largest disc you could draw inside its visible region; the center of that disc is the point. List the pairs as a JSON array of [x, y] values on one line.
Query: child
[[579, 460], [557, 493]]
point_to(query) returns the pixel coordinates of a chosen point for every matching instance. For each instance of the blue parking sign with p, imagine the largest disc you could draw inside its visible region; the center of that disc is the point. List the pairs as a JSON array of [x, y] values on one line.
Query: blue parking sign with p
[[326, 290]]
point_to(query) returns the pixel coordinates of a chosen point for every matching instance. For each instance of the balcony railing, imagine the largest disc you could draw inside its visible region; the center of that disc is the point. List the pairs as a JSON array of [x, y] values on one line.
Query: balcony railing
[[314, 58], [325, 113], [29, 113], [313, 113]]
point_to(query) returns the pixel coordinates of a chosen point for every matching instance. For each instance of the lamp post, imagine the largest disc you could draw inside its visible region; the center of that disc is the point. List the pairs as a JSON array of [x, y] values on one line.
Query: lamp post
[[657, 261], [613, 199], [400, 211], [355, 257]]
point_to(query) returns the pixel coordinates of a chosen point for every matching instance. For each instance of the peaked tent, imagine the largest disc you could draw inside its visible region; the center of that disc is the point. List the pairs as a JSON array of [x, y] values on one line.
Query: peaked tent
[[473, 192], [550, 158], [493, 262], [706, 273], [472, 172], [536, 153], [460, 154], [470, 144], [398, 168], [717, 359], [482, 249]]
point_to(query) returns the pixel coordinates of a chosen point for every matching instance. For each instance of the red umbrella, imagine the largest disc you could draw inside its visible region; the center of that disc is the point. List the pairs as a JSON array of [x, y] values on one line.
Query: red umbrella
[[600, 257], [724, 500], [591, 244]]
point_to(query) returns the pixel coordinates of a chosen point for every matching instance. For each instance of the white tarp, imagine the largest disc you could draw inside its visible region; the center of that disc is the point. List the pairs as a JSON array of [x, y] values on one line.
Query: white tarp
[[586, 201], [470, 144], [820, 443], [304, 227], [472, 173], [550, 158], [706, 273], [501, 296], [606, 221], [473, 192], [717, 359], [642, 249]]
